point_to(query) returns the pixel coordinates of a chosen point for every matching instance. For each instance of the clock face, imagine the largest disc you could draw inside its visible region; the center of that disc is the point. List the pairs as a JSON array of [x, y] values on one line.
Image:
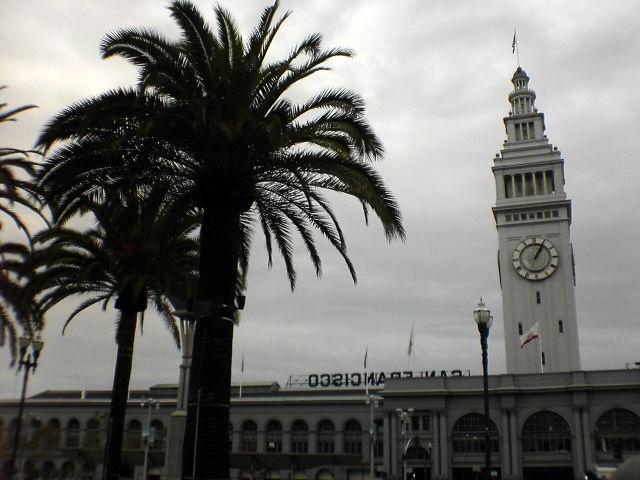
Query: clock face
[[535, 258]]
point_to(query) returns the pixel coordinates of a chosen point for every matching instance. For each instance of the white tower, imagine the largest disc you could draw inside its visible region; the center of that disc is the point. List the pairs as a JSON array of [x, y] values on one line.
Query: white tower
[[535, 258]]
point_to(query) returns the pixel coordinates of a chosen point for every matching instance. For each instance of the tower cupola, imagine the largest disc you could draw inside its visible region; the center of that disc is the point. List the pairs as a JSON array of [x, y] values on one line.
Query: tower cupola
[[522, 98]]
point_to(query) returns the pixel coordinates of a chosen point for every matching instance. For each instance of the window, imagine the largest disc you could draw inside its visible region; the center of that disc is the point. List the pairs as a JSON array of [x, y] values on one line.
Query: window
[[520, 329], [508, 186], [549, 182], [420, 422], [538, 299], [51, 438], [618, 428], [35, 432], [546, 432], [353, 437], [273, 437], [92, 435], [560, 326], [528, 182], [299, 437], [249, 436], [378, 446], [72, 437], [326, 437], [468, 434], [543, 359], [156, 435], [133, 435]]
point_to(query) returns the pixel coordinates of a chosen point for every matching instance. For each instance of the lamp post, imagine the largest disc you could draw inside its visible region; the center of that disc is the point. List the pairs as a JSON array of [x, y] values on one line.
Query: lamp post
[[373, 401], [28, 361], [149, 402], [483, 318], [405, 418]]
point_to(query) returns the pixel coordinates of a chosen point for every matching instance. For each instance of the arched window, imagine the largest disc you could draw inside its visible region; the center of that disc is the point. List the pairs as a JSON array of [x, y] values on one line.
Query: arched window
[[48, 470], [35, 432], [156, 435], [353, 437], [468, 434], [68, 470], [51, 439], [13, 428], [546, 432], [618, 430], [273, 437], [326, 437], [299, 437], [72, 436], [133, 435], [92, 435], [324, 474], [249, 436]]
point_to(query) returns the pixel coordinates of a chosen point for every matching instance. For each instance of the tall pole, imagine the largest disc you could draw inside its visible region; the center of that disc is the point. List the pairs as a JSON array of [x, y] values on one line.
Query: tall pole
[[27, 361], [404, 416], [17, 433], [372, 400], [148, 403], [483, 318], [484, 334]]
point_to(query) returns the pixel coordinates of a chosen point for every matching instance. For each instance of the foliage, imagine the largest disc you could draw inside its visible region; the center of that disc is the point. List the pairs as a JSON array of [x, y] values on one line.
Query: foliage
[[16, 188], [210, 120]]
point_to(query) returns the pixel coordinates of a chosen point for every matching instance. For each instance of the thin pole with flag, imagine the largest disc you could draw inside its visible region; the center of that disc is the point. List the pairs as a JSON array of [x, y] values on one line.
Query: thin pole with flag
[[410, 348], [241, 375], [366, 383]]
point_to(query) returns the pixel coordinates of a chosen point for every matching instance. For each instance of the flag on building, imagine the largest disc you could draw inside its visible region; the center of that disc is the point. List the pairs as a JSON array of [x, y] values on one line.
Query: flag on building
[[242, 364], [366, 353], [514, 43], [530, 335], [410, 348]]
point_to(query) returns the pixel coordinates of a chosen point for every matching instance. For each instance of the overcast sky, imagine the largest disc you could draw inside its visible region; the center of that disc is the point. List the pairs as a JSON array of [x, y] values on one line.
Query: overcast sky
[[435, 76]]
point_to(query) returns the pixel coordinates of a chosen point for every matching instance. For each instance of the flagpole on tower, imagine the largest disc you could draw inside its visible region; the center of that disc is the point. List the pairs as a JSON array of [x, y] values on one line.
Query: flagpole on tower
[[410, 349], [540, 351], [241, 375], [366, 382]]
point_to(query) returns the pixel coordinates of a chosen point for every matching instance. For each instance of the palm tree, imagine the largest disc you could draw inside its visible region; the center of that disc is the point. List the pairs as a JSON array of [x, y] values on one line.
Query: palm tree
[[209, 116], [16, 188], [136, 252]]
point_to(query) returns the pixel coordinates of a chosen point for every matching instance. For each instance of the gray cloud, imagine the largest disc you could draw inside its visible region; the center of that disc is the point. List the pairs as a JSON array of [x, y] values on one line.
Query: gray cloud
[[435, 76]]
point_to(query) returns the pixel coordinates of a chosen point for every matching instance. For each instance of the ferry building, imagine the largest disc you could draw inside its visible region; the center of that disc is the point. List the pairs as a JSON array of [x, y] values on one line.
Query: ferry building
[[549, 419]]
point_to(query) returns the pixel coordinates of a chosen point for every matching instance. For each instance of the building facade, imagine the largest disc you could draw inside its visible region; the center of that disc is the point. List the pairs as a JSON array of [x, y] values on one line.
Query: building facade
[[535, 256], [552, 426]]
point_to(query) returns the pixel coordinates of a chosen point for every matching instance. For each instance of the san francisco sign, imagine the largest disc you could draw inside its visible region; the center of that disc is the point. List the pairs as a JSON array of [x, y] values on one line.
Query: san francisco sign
[[364, 379]]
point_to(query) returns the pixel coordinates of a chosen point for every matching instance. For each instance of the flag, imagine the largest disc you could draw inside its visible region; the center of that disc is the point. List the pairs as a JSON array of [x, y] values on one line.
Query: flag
[[366, 352], [532, 334], [242, 364], [410, 348], [514, 43]]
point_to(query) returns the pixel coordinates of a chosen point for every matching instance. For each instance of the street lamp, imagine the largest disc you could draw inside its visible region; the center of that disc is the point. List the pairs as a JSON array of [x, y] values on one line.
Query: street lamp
[[483, 318], [405, 421], [373, 401], [150, 402], [28, 360]]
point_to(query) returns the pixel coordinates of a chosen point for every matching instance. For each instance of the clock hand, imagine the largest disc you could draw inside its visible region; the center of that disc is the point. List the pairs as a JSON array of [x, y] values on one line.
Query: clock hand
[[535, 257]]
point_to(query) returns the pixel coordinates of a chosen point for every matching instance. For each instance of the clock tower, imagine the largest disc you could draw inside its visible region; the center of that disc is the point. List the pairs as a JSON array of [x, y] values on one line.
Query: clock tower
[[535, 257]]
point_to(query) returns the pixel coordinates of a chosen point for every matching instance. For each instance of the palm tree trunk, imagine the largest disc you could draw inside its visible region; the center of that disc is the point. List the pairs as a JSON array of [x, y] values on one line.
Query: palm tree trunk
[[125, 337], [206, 442]]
